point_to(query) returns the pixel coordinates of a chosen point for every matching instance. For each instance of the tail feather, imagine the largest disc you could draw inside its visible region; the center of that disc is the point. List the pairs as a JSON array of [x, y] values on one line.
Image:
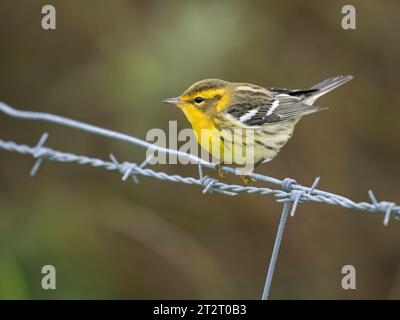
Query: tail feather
[[326, 86]]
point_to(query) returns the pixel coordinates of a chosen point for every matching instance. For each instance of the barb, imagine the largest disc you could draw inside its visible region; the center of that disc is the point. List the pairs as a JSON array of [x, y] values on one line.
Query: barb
[[295, 195], [39, 154], [288, 190], [384, 206]]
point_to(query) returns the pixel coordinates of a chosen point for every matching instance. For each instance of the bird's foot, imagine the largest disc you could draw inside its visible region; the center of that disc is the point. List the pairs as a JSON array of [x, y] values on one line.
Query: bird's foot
[[247, 179], [244, 173], [218, 166]]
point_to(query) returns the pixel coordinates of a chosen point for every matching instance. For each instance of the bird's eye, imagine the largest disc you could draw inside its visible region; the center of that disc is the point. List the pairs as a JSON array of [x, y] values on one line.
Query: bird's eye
[[198, 99]]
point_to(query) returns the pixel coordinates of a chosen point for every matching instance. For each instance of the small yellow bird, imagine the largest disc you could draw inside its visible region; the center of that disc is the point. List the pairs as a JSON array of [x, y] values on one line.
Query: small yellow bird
[[224, 115]]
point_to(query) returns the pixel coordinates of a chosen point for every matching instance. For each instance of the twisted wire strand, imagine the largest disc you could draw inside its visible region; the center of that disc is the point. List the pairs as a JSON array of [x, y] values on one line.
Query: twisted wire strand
[[295, 194]]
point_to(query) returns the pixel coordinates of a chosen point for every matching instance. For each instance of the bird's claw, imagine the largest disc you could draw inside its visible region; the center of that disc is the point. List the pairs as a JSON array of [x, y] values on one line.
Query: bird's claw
[[247, 179], [220, 172]]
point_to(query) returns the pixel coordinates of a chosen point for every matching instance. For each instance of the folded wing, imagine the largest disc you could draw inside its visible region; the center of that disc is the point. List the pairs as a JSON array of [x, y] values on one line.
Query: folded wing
[[278, 107]]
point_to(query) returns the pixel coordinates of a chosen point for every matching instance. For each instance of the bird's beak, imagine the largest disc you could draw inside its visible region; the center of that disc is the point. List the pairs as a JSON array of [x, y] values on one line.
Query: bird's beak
[[174, 101]]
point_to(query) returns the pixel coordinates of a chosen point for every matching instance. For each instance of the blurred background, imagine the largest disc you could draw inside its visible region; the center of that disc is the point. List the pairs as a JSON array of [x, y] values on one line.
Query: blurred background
[[110, 63]]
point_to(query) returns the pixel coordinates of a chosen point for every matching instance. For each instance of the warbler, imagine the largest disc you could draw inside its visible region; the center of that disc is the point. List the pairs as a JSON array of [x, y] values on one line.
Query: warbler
[[225, 114]]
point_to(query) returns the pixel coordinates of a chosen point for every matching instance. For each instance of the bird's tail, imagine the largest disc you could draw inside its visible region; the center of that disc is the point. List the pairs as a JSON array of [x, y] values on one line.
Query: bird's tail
[[325, 86]]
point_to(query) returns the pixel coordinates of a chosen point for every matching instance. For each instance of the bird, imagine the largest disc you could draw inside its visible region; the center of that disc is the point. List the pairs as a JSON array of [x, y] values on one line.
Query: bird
[[230, 119]]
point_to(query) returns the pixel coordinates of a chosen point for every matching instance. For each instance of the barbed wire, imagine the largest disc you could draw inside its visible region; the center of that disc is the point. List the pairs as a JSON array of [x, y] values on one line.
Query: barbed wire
[[289, 191]]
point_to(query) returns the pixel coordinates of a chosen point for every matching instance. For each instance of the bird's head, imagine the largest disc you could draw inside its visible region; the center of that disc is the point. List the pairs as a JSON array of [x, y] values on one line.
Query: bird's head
[[205, 96]]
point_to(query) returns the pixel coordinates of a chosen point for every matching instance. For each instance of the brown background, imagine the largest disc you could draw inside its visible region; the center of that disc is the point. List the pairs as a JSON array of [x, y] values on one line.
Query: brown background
[[110, 63]]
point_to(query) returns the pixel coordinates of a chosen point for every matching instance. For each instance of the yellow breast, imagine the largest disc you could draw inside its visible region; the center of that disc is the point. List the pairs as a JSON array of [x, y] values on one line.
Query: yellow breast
[[205, 131]]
